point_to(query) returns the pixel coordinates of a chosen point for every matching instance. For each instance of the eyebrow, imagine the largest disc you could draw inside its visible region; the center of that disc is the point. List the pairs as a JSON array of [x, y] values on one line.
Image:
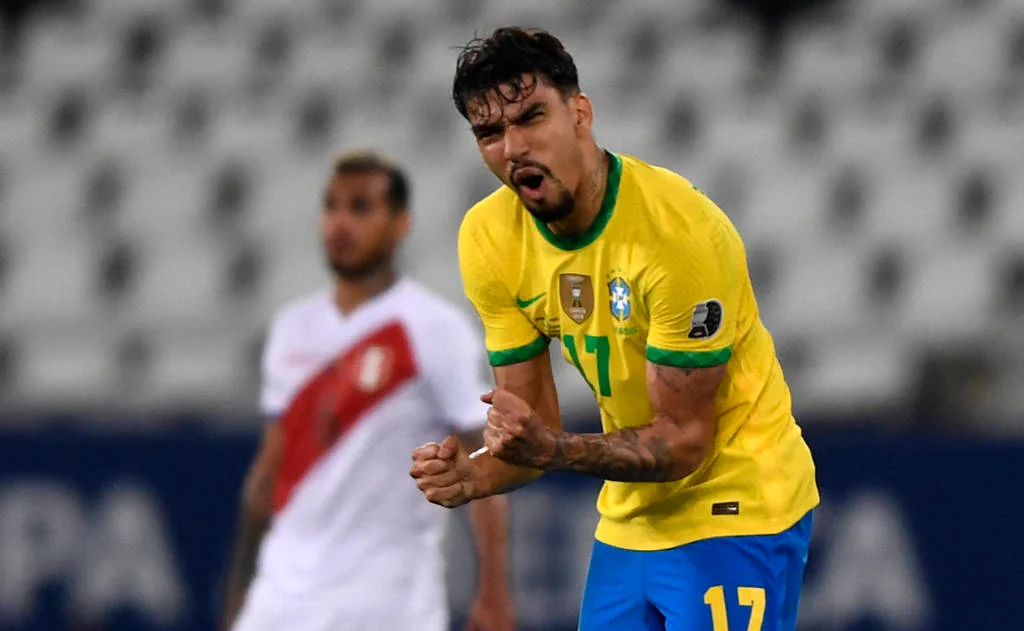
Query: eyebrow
[[527, 112], [484, 129], [481, 129]]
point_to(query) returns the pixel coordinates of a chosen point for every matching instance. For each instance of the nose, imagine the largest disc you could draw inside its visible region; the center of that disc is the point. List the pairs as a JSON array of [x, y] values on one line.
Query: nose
[[337, 223], [515, 143]]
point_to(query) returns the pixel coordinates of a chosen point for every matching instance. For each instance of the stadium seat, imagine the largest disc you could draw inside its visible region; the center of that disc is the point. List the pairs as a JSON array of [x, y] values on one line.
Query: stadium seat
[[1007, 226], [180, 284], [167, 198], [119, 12], [212, 60], [65, 369], [821, 292], [874, 378], [201, 369], [911, 207], [56, 57], [53, 277], [30, 179], [345, 62], [162, 165], [947, 290]]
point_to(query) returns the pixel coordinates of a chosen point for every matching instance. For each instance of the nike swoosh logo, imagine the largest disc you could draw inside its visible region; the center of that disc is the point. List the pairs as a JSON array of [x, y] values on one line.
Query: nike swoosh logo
[[526, 303]]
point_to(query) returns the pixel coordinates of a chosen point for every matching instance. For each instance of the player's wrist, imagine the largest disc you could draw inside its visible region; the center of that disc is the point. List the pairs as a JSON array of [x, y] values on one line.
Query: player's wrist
[[561, 452], [477, 485], [493, 585]]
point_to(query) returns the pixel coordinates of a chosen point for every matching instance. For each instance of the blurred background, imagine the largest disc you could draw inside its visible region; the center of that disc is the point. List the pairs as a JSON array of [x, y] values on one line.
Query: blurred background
[[161, 167]]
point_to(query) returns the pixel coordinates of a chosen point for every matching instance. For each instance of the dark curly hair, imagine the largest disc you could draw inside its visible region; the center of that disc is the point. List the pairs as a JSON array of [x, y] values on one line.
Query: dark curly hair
[[503, 59]]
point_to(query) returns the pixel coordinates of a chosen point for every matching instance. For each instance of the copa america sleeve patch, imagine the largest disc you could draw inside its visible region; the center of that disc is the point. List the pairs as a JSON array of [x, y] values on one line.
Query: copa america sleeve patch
[[706, 320]]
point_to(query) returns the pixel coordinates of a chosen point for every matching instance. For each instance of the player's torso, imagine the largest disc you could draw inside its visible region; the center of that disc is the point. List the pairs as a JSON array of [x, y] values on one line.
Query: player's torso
[[591, 299], [591, 292], [357, 407]]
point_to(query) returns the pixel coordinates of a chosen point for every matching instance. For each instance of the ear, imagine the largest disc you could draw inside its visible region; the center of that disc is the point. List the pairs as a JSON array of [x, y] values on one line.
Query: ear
[[403, 223], [583, 110]]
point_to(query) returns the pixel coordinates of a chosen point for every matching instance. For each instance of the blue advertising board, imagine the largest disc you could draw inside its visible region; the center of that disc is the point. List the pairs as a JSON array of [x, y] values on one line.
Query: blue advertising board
[[130, 532]]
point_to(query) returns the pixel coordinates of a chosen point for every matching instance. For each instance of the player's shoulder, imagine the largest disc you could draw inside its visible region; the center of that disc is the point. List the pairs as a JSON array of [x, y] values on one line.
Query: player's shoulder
[[664, 188], [301, 313], [427, 307], [433, 320], [493, 217], [674, 204]]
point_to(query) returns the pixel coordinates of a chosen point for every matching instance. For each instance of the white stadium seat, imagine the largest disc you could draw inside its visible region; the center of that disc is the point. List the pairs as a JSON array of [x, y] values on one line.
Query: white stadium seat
[[685, 104]]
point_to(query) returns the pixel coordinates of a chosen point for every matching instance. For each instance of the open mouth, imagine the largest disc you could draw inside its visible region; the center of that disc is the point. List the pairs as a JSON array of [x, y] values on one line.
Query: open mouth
[[530, 181]]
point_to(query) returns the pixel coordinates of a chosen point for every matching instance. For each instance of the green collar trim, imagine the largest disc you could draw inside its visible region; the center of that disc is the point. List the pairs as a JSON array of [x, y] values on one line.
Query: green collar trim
[[588, 236]]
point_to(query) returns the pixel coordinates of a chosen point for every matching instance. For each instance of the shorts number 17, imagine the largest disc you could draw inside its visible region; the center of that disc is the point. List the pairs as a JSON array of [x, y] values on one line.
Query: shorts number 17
[[752, 597]]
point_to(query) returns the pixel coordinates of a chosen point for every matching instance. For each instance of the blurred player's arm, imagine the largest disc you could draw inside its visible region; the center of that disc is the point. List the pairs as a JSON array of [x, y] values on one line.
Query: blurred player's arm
[[253, 521], [493, 606], [453, 366]]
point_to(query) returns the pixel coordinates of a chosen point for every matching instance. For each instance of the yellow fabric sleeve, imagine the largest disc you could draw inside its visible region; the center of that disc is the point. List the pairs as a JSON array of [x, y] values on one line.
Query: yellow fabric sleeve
[[693, 300], [510, 337]]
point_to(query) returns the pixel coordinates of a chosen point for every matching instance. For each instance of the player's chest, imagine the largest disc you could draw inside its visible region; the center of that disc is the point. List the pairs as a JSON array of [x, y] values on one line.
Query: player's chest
[[350, 366], [573, 293]]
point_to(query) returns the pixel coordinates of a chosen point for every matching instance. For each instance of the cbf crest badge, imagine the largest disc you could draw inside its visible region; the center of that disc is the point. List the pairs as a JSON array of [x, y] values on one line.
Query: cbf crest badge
[[619, 298], [577, 295]]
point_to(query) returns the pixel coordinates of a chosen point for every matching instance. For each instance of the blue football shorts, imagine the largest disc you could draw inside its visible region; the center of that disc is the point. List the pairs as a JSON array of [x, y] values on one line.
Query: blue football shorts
[[737, 583]]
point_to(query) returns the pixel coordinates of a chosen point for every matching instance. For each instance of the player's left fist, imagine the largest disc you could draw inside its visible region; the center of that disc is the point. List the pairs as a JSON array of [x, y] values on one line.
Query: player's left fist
[[515, 433]]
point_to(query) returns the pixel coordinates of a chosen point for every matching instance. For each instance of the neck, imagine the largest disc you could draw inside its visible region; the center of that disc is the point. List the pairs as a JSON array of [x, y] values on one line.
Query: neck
[[350, 293], [589, 195]]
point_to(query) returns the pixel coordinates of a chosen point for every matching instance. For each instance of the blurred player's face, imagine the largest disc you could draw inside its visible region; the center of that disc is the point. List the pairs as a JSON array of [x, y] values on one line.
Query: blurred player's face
[[360, 229], [535, 144]]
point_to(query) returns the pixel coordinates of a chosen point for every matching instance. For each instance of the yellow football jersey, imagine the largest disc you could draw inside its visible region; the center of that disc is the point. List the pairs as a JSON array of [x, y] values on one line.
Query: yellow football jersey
[[660, 276]]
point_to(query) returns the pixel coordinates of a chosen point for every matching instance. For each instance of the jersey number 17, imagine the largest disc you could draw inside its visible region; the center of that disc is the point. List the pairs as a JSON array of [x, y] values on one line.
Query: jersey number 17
[[598, 345]]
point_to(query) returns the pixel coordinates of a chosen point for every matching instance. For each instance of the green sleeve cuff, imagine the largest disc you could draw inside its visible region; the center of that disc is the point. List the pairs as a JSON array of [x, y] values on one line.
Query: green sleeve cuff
[[688, 359], [516, 355]]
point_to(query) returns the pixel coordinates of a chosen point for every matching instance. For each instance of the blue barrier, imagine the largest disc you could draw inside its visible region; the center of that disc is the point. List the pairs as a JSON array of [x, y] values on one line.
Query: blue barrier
[[130, 533]]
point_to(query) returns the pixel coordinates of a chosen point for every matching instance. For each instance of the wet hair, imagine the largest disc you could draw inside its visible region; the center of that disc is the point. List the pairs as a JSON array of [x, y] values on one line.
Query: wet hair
[[504, 58], [365, 161]]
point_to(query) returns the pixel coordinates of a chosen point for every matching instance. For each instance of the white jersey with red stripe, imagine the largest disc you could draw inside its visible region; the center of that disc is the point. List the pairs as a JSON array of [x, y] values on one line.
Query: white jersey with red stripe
[[352, 538]]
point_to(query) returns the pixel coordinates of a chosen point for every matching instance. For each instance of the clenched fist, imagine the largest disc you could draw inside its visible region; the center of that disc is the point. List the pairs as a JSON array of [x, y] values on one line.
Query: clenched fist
[[515, 434], [443, 473]]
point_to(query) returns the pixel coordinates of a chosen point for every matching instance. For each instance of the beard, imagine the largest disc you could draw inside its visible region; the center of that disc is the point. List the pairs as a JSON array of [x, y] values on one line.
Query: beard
[[543, 210], [546, 212]]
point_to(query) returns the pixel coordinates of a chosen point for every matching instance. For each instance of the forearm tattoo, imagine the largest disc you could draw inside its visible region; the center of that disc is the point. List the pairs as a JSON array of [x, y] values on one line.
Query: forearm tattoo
[[622, 456]]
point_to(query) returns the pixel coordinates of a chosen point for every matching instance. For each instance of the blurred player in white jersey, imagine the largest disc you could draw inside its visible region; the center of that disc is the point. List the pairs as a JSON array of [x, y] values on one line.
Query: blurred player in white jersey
[[333, 534]]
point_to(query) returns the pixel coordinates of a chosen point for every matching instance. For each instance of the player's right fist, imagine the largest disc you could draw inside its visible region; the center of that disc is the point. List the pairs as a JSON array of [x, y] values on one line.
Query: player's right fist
[[443, 472]]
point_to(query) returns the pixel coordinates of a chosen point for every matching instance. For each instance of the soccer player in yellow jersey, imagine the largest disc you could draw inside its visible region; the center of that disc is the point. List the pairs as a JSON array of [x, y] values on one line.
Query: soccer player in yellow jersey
[[706, 508]]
